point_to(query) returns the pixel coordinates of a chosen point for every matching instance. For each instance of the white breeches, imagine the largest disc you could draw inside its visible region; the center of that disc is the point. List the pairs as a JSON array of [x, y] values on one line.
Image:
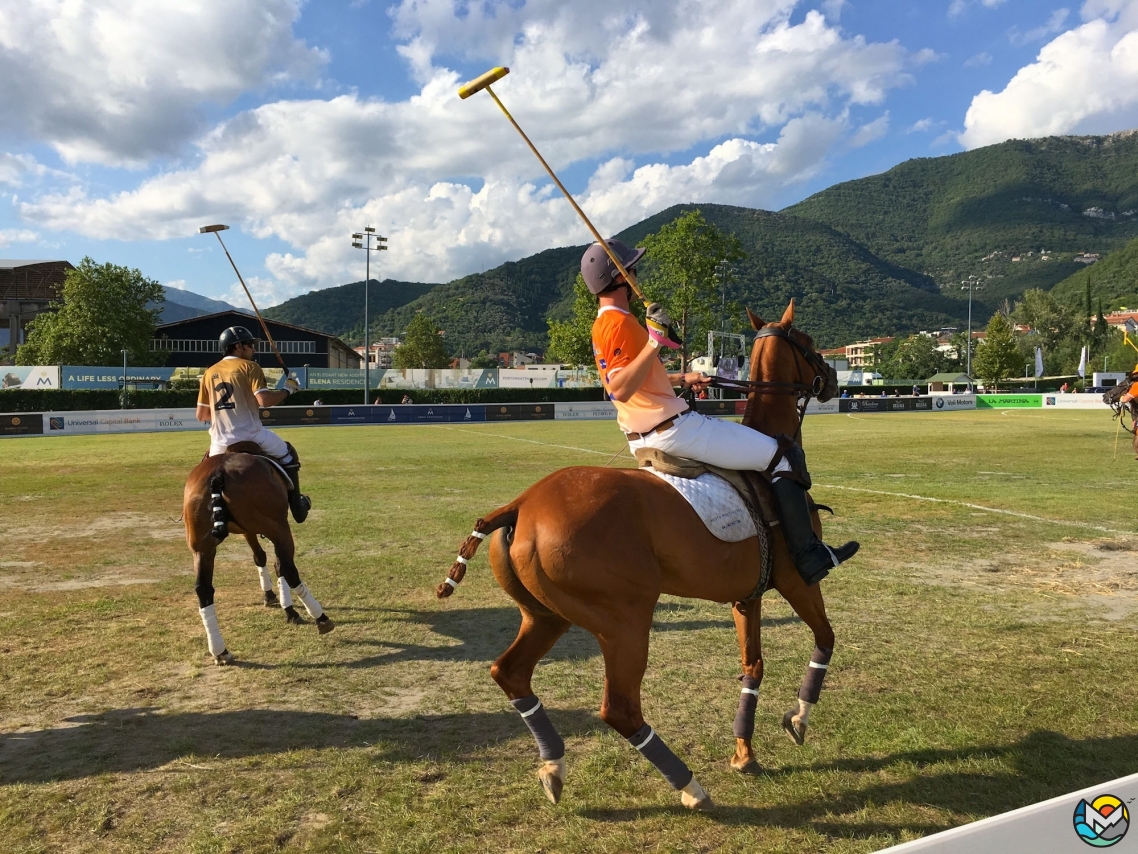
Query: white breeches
[[722, 443], [270, 443]]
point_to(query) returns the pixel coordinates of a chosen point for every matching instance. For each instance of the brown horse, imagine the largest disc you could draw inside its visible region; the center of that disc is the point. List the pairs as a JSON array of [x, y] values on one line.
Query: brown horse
[[596, 547], [243, 493]]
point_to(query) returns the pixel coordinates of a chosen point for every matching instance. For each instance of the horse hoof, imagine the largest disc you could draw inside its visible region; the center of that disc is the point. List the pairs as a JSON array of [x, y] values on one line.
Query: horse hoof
[[292, 617], [748, 766], [552, 784], [271, 599], [795, 730], [223, 658], [324, 624], [694, 797]]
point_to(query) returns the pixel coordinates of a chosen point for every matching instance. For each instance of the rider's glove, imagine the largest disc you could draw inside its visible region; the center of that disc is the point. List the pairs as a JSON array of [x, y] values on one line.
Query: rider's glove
[[288, 384], [659, 324]]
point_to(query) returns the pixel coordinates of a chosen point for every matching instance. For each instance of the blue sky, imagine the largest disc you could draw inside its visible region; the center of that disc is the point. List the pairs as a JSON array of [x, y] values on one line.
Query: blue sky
[[298, 123]]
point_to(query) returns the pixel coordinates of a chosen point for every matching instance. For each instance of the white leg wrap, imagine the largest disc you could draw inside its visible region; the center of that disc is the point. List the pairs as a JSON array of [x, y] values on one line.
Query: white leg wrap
[[310, 604], [285, 593], [266, 579], [212, 630], [804, 711]]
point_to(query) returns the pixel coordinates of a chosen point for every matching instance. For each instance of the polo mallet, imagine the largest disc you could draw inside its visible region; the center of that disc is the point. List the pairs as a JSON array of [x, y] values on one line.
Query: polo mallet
[[496, 74], [216, 230]]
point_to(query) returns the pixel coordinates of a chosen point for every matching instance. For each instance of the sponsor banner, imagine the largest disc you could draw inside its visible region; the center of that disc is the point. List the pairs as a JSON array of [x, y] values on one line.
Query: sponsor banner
[[120, 421], [352, 414], [816, 407], [78, 376], [1074, 401], [522, 378], [582, 378], [922, 404], [519, 411], [722, 408], [413, 378], [446, 413], [13, 377], [390, 414], [1009, 401], [24, 424], [602, 410], [319, 378], [1096, 817], [953, 402], [293, 416]]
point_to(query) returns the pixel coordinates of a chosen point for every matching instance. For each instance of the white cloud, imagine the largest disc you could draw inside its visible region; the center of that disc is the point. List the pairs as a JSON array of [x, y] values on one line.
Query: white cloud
[[661, 103], [1084, 81], [979, 59], [120, 81], [958, 7], [1054, 25], [8, 236], [869, 132], [921, 126]]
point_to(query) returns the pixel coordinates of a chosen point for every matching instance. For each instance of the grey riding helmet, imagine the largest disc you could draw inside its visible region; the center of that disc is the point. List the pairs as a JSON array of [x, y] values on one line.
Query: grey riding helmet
[[233, 336], [597, 267]]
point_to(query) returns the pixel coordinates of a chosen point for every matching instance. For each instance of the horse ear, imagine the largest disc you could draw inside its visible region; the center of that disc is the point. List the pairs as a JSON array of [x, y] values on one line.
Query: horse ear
[[756, 321], [788, 316]]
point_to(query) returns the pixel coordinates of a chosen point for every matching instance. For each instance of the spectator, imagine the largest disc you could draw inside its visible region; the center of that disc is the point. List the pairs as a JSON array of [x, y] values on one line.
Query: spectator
[[845, 392], [1063, 389], [377, 401], [916, 390], [318, 402], [406, 399]]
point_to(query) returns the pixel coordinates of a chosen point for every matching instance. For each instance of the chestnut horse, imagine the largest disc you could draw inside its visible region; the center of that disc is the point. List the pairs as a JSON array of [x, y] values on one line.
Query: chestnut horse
[[596, 547], [243, 493]]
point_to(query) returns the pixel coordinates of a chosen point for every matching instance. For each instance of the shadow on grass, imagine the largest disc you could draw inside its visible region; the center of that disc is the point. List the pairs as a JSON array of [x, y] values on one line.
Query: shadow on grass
[[1046, 765], [137, 739], [483, 634]]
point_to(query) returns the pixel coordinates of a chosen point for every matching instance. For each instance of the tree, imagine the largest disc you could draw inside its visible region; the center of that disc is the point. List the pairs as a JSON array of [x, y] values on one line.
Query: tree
[[102, 311], [915, 358], [422, 346], [571, 341], [483, 360], [997, 356], [680, 272]]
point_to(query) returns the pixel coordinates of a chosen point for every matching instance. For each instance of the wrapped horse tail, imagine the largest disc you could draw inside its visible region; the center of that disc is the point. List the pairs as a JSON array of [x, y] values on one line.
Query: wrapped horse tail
[[503, 517], [218, 512]]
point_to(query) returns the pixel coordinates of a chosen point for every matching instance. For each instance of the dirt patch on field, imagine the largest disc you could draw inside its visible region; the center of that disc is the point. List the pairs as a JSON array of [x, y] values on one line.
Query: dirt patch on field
[[156, 527], [1101, 577]]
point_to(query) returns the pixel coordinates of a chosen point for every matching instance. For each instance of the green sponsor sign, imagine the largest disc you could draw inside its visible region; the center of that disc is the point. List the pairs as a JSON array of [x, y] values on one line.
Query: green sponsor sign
[[1009, 401]]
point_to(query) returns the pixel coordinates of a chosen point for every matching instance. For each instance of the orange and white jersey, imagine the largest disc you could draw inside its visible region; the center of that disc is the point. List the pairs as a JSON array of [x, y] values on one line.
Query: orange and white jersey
[[617, 339], [229, 390]]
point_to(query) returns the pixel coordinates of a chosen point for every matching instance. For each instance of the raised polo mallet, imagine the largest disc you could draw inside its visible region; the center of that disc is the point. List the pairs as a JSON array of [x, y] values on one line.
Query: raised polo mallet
[[216, 230], [496, 74]]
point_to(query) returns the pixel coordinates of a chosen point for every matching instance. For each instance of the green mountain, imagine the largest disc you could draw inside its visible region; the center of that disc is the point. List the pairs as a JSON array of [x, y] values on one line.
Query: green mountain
[[974, 213], [339, 311], [1114, 281]]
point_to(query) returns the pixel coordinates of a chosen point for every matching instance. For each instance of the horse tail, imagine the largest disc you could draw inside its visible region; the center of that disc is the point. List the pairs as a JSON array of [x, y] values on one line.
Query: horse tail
[[218, 511], [501, 518]]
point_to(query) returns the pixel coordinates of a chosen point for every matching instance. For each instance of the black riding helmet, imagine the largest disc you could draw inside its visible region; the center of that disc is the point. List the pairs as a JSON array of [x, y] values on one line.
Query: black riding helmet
[[233, 336]]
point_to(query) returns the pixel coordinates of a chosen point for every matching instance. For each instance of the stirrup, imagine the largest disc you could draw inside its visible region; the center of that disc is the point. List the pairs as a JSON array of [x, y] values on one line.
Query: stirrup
[[299, 504]]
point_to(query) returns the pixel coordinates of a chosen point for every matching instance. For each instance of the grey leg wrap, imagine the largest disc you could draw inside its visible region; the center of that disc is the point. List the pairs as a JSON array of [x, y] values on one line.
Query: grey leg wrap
[[748, 701], [549, 743], [815, 673], [652, 747]]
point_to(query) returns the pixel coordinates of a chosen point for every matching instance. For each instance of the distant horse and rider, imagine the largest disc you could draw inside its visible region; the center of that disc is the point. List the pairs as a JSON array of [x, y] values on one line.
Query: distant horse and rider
[[247, 484], [597, 547]]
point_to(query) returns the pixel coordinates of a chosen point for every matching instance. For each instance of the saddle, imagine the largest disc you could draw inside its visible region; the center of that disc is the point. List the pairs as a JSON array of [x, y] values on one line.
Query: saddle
[[753, 488], [257, 451]]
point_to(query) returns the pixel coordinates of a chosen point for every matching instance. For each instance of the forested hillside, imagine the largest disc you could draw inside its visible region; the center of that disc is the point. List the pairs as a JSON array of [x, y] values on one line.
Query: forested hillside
[[1113, 281], [973, 213], [340, 311]]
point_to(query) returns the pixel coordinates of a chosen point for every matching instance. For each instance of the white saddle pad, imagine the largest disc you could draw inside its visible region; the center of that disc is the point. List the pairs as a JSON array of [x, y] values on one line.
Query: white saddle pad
[[717, 503]]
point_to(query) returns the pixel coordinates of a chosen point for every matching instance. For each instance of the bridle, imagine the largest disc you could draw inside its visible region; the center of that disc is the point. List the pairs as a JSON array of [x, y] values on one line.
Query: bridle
[[1121, 409], [802, 391]]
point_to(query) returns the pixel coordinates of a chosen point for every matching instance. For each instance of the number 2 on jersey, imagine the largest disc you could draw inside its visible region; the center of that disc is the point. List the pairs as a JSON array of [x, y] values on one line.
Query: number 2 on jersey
[[223, 394]]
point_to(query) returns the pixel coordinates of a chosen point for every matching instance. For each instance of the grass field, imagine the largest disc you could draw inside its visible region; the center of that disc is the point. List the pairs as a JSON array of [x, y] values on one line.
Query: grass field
[[983, 658]]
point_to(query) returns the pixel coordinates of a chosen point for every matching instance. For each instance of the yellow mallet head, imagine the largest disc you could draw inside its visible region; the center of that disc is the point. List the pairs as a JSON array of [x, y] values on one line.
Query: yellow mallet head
[[479, 83]]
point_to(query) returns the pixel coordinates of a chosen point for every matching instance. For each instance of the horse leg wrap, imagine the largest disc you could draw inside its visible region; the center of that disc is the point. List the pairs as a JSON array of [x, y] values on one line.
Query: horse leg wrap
[[748, 701], [212, 630], [285, 593], [549, 744], [266, 579], [652, 748], [815, 673], [310, 604]]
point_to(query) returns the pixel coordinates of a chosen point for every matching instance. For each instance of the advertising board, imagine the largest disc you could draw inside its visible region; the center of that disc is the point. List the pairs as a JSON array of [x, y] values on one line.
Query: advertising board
[[447, 413], [296, 416], [1074, 401], [1009, 401], [954, 402], [29, 377], [817, 407], [522, 378], [120, 421], [602, 410], [519, 412], [24, 424]]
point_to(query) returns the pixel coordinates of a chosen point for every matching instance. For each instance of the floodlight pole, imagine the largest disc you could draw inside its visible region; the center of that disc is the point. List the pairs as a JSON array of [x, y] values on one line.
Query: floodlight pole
[[380, 245], [971, 284]]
